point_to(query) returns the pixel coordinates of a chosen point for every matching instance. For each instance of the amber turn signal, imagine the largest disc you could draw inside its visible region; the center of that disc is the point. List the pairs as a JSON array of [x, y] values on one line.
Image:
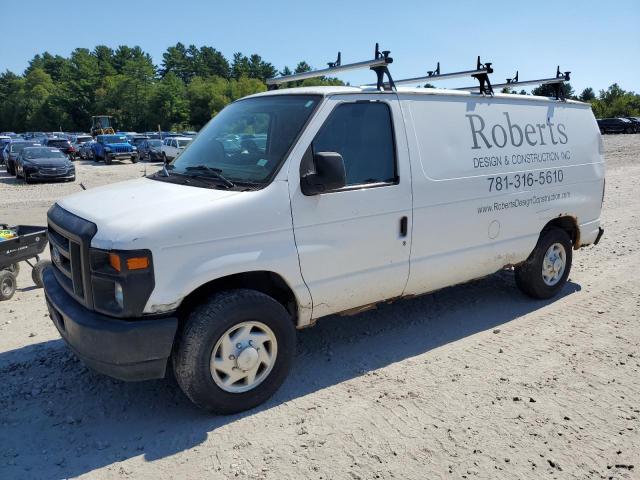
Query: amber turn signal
[[137, 263], [114, 261]]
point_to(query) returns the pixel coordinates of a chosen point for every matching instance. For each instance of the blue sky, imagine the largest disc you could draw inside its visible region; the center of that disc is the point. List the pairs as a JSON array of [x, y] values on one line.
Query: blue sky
[[599, 42]]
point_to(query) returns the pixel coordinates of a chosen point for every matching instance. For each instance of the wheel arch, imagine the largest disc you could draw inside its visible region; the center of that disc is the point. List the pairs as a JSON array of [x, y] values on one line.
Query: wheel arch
[[569, 224], [267, 282]]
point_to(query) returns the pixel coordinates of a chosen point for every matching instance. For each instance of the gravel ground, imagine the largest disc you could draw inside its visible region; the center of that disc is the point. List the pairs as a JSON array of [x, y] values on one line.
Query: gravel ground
[[474, 381]]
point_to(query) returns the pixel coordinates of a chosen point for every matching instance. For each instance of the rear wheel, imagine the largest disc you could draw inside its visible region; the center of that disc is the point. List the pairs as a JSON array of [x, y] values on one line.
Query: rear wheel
[[546, 270], [107, 159], [235, 351], [7, 284]]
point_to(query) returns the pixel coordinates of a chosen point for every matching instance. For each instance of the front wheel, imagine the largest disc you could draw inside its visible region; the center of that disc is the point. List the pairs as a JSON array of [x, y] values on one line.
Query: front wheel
[[234, 351], [546, 270]]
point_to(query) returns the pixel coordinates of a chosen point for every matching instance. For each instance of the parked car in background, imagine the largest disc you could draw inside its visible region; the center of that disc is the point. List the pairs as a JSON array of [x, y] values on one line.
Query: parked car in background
[[77, 141], [150, 150], [85, 150], [172, 146], [44, 163], [61, 144], [114, 147], [36, 136], [636, 123], [137, 140], [615, 125], [12, 150], [4, 140]]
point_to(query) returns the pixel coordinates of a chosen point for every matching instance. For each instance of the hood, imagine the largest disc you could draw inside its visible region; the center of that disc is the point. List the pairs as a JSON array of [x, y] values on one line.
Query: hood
[[117, 145], [140, 213]]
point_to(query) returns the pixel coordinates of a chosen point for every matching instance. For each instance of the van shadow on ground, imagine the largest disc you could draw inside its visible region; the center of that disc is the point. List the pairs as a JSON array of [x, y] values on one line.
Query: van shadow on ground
[[58, 420]]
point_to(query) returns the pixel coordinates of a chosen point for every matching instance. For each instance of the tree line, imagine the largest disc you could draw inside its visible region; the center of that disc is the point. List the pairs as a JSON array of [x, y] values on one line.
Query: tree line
[[612, 102], [189, 87]]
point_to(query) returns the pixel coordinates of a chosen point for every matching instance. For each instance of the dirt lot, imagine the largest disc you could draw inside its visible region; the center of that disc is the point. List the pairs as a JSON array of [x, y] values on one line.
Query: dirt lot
[[475, 381]]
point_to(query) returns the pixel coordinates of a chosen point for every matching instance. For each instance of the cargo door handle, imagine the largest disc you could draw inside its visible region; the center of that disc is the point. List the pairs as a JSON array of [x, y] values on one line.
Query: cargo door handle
[[404, 222]]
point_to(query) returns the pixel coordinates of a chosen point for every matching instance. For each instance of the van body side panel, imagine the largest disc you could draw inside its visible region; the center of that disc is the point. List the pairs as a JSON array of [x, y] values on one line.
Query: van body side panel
[[488, 174], [349, 243]]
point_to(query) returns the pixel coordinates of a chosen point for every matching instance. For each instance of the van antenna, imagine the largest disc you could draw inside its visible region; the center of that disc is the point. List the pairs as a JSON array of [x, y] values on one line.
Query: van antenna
[[480, 73], [556, 83], [379, 64]]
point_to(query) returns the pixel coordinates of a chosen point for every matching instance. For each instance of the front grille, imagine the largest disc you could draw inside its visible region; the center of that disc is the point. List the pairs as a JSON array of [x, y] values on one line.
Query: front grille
[[121, 149], [69, 242], [66, 257]]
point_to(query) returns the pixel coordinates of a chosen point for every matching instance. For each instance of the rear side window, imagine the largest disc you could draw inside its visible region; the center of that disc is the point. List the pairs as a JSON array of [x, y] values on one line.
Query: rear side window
[[363, 134]]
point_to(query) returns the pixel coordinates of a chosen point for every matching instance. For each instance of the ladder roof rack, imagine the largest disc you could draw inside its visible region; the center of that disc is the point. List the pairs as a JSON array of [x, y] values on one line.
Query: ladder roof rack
[[378, 64], [481, 73], [556, 81]]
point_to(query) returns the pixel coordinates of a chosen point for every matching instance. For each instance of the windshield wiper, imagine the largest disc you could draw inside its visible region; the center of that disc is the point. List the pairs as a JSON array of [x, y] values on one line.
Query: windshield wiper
[[211, 172]]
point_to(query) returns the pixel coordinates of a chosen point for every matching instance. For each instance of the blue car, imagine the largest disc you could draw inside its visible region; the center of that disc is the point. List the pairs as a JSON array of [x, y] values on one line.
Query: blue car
[[114, 147]]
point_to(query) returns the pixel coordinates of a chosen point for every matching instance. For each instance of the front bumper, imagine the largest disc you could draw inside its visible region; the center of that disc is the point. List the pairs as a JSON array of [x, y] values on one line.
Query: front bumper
[[35, 175], [121, 155], [135, 349]]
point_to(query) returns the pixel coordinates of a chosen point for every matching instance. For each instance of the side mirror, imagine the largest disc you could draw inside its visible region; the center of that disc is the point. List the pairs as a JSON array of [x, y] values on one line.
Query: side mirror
[[329, 174]]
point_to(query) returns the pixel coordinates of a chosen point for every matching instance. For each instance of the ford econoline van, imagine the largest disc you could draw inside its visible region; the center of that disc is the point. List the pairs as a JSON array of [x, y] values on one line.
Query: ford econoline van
[[295, 204]]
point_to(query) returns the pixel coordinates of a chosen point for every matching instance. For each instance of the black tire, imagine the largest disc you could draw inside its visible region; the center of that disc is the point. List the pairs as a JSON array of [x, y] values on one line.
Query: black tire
[[36, 272], [134, 159], [206, 325], [107, 160], [7, 285], [13, 268], [11, 168], [529, 276]]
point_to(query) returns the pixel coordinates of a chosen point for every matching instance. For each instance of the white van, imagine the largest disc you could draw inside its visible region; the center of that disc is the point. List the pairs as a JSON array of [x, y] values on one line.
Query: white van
[[295, 204]]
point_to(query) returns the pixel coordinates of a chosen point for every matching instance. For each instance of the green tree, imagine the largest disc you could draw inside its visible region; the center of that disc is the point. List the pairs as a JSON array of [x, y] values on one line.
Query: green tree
[[168, 103], [587, 95], [549, 91]]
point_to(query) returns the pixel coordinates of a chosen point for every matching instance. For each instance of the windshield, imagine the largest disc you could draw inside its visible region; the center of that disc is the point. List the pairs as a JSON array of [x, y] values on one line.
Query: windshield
[[59, 143], [42, 153], [82, 139], [113, 139], [183, 143], [248, 140], [155, 143], [18, 147]]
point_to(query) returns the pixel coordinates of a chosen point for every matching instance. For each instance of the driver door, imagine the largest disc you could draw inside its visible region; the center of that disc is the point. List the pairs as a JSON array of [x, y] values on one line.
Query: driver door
[[354, 243]]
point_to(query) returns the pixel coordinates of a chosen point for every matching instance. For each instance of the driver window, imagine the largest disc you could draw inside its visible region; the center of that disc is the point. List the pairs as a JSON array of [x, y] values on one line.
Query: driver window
[[363, 134]]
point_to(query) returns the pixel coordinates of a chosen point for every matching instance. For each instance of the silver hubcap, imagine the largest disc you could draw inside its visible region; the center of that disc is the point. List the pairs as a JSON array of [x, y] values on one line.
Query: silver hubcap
[[243, 357], [553, 264]]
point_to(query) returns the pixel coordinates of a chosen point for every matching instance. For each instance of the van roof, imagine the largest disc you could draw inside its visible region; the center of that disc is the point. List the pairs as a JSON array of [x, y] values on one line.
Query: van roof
[[340, 90]]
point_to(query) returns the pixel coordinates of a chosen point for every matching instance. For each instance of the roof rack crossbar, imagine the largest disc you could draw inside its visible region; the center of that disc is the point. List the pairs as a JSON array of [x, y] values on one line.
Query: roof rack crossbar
[[556, 81], [378, 64], [480, 73]]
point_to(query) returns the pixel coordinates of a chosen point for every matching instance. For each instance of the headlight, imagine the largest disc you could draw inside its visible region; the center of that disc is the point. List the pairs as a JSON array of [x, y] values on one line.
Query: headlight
[[134, 148], [107, 149], [121, 281]]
